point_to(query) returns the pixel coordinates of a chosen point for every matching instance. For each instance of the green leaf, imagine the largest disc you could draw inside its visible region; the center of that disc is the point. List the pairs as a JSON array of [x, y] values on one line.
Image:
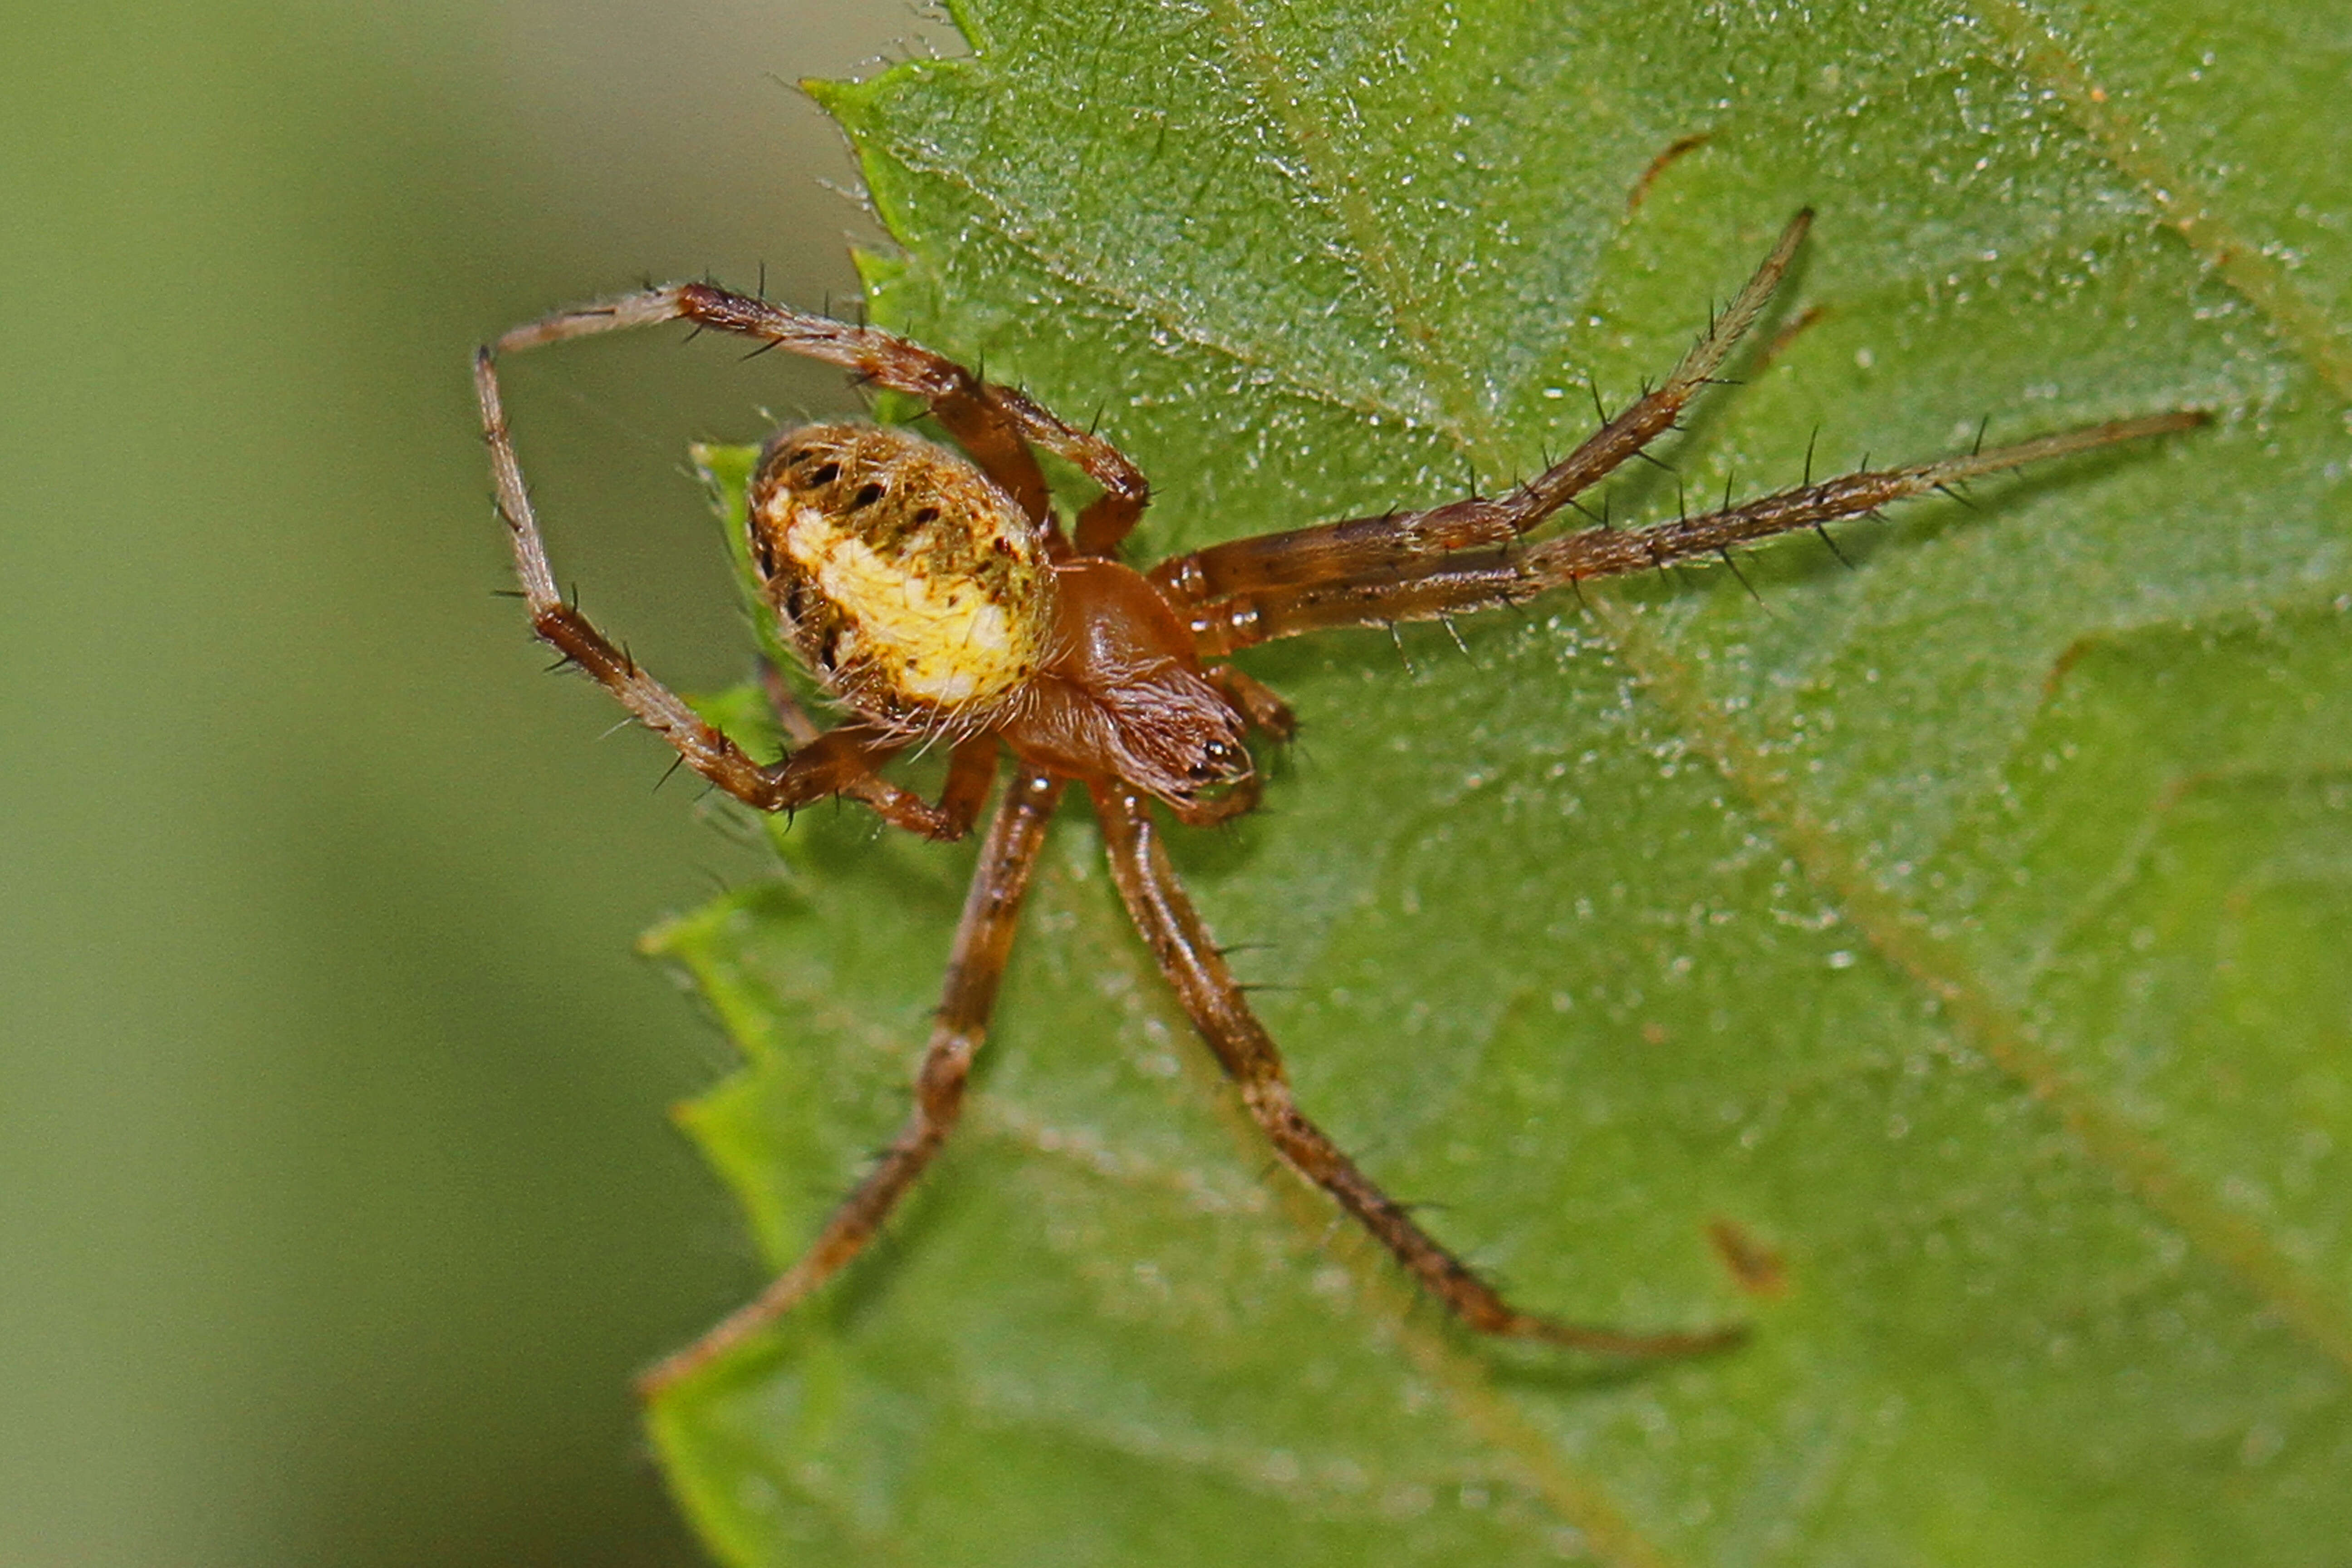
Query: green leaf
[[1941, 964]]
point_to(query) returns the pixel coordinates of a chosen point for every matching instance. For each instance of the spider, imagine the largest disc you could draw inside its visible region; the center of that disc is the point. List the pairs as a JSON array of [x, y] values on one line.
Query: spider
[[936, 597]]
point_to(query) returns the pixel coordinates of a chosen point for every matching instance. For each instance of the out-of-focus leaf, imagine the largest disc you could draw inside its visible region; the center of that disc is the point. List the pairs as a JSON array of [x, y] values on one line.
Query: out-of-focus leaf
[[1941, 963]]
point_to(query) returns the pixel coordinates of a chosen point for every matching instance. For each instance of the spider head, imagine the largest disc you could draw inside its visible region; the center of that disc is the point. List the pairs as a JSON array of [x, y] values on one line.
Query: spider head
[[914, 588], [1126, 696], [1184, 744]]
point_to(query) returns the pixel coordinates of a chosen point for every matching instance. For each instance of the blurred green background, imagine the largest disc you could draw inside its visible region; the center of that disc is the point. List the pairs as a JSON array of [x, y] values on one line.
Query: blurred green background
[[337, 1202]]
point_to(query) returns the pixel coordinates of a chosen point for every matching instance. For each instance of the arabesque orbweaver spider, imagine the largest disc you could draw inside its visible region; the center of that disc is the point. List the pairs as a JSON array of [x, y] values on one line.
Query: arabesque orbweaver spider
[[936, 597]]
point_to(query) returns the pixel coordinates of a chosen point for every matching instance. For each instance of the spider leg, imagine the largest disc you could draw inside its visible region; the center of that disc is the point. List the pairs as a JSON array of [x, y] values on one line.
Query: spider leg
[[1401, 541], [1215, 811], [983, 940], [994, 424], [832, 764], [1483, 579], [1256, 701], [790, 717], [971, 768], [1194, 965]]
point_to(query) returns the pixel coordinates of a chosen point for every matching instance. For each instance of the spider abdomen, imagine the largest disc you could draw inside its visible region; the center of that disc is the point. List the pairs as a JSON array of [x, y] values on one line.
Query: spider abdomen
[[913, 587]]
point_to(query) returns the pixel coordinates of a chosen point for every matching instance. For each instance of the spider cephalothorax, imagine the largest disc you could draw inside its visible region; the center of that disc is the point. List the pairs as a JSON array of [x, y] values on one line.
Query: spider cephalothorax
[[934, 595]]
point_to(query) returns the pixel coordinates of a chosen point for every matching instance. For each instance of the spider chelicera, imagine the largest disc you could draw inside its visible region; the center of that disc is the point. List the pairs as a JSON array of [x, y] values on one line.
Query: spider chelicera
[[936, 597]]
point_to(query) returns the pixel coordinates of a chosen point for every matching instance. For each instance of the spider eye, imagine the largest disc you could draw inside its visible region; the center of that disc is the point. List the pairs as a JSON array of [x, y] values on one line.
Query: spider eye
[[1220, 760]]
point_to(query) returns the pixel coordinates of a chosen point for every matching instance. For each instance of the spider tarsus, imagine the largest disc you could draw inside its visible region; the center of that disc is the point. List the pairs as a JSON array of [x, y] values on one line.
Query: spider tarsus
[[1621, 1345]]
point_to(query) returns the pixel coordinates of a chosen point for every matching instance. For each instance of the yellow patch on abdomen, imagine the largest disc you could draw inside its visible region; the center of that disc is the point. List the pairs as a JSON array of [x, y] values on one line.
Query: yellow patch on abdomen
[[941, 641]]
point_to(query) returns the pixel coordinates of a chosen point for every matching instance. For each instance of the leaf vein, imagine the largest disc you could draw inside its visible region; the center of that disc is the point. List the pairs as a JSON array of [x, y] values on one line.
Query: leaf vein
[[2135, 146]]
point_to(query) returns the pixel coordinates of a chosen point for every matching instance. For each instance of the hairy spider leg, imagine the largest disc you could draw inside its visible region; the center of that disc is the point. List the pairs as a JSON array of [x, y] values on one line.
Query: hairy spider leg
[[1191, 959], [1483, 579], [1404, 542], [994, 424], [983, 940], [960, 801], [842, 761]]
